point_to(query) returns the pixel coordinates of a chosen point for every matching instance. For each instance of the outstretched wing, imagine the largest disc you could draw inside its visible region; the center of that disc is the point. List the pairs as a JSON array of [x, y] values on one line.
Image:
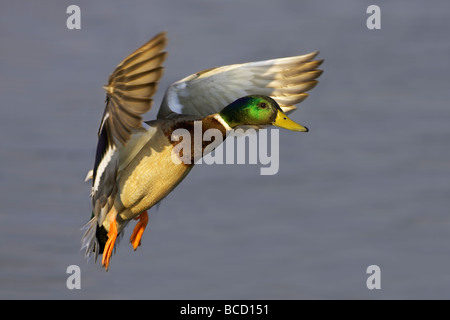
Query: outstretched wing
[[129, 94], [130, 89], [286, 80]]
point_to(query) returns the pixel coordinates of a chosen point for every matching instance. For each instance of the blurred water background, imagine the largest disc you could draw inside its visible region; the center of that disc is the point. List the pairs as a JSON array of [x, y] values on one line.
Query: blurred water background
[[369, 184]]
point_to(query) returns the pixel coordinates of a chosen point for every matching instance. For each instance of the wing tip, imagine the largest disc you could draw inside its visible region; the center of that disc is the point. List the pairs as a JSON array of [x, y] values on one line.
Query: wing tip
[[124, 101]]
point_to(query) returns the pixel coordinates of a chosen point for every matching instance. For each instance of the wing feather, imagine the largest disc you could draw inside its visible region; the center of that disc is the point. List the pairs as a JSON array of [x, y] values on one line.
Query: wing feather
[[285, 79], [130, 89]]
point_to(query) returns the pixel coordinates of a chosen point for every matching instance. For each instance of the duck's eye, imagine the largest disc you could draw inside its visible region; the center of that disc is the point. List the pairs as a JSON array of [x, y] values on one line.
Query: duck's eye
[[263, 105]]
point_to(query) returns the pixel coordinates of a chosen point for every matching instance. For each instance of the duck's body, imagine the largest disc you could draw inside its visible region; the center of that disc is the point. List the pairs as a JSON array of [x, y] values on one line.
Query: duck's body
[[147, 171], [138, 164]]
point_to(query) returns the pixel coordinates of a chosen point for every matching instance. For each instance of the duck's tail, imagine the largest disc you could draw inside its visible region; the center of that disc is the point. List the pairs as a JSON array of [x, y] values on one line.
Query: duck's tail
[[94, 238]]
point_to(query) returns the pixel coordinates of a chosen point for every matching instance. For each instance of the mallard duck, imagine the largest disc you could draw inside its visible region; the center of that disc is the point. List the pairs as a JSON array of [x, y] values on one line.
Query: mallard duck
[[134, 169]]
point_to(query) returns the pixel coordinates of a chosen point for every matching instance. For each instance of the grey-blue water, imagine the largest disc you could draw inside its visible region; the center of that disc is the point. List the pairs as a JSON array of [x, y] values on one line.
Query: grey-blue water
[[368, 185]]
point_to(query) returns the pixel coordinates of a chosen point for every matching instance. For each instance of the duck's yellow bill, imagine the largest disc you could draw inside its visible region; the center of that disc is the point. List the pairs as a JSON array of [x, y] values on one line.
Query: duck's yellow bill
[[283, 121]]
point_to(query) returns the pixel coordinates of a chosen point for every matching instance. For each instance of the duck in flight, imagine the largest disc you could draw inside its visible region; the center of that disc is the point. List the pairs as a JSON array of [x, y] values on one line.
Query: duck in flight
[[134, 168]]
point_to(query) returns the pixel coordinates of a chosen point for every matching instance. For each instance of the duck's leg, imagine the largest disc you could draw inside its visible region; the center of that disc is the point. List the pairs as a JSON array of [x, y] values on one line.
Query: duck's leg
[[139, 229], [109, 246]]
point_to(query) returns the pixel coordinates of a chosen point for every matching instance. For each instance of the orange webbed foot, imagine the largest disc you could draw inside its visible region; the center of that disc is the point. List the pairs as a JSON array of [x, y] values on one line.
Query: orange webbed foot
[[139, 229], [109, 246]]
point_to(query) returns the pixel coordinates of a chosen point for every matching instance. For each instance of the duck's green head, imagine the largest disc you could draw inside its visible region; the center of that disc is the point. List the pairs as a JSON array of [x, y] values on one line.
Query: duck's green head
[[258, 110]]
